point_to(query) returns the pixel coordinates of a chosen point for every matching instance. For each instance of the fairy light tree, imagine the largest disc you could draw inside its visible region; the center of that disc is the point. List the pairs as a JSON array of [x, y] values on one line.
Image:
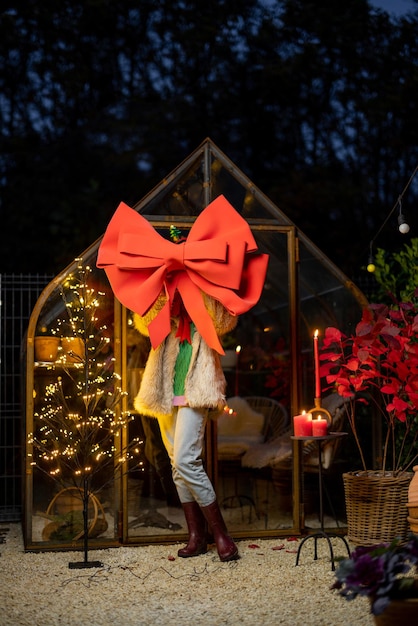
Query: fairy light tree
[[80, 421]]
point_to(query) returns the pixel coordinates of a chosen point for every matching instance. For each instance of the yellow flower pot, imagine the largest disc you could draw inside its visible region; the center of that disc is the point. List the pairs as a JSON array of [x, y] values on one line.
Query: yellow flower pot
[[46, 348]]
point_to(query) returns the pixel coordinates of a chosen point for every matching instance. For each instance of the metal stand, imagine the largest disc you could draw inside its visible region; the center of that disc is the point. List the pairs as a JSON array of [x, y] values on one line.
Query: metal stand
[[321, 534], [86, 563]]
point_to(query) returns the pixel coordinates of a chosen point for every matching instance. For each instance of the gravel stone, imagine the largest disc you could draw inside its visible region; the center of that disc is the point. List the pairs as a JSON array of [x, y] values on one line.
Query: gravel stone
[[141, 586]]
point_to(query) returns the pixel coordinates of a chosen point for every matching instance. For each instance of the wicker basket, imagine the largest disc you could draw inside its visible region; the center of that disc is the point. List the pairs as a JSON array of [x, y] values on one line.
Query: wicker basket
[[376, 506], [70, 501]]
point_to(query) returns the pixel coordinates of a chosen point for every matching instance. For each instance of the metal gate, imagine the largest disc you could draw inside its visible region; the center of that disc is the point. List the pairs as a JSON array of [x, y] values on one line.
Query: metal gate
[[18, 295]]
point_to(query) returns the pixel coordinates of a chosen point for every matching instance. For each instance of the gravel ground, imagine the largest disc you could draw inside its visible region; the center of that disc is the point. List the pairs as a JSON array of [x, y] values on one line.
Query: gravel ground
[[150, 585]]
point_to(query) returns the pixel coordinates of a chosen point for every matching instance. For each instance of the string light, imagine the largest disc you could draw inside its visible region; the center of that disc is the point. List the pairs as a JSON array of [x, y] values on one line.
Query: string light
[[370, 265], [79, 423], [402, 223]]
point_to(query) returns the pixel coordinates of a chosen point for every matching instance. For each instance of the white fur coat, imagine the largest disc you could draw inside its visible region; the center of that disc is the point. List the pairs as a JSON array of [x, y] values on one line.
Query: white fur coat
[[205, 381]]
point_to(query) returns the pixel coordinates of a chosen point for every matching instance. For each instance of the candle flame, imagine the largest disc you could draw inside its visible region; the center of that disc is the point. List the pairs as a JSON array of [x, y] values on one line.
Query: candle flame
[[316, 333], [238, 349]]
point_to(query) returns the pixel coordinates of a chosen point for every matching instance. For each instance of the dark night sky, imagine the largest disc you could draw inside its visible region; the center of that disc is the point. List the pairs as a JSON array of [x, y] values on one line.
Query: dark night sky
[[397, 7]]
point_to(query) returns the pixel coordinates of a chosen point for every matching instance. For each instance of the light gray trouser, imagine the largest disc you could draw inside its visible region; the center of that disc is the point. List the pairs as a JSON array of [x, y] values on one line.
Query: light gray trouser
[[183, 434]]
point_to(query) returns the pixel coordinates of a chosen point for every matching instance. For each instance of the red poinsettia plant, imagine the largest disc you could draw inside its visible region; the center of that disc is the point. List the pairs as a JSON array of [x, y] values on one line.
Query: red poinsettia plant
[[379, 365]]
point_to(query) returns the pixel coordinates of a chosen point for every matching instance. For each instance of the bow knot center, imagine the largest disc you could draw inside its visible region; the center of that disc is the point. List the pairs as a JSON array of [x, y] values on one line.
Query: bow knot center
[[175, 258]]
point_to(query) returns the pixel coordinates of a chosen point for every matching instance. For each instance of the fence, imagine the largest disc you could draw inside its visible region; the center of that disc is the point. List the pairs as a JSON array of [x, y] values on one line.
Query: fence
[[18, 295]]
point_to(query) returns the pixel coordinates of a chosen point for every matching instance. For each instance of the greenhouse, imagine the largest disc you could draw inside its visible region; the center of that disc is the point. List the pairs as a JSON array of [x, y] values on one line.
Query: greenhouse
[[84, 363]]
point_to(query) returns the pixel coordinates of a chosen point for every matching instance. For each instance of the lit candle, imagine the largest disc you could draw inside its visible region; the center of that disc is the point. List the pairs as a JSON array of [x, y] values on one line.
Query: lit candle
[[302, 425], [237, 350], [319, 427], [316, 359]]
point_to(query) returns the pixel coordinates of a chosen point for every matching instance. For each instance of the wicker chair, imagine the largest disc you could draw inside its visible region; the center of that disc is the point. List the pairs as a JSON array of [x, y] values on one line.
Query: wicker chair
[[265, 420], [276, 417], [256, 420], [274, 456]]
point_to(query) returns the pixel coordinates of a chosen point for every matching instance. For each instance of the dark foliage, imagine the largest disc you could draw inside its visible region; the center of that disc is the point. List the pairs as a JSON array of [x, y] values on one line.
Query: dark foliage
[[314, 101]]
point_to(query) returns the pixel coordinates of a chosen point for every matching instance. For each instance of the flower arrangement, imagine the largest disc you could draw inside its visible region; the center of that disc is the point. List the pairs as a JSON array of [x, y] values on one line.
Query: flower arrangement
[[383, 573], [379, 365]]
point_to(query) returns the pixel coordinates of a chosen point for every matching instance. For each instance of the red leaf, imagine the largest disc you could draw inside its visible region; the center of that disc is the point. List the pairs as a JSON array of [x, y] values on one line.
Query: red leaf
[[390, 387], [333, 334], [352, 365]]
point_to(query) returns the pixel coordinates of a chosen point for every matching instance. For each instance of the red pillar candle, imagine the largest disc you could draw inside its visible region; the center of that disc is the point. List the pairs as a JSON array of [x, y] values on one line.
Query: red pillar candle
[[316, 360], [319, 427], [302, 425]]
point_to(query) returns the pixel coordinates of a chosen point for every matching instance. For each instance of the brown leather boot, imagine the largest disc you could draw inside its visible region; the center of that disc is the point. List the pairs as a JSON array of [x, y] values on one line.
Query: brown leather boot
[[227, 549], [196, 525]]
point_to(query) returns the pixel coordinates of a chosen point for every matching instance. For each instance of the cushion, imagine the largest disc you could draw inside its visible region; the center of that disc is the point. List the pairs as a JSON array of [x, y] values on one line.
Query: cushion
[[240, 429], [242, 422]]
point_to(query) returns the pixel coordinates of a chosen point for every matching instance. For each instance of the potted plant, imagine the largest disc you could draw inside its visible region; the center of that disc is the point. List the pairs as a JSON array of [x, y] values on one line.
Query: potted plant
[[378, 365], [387, 575]]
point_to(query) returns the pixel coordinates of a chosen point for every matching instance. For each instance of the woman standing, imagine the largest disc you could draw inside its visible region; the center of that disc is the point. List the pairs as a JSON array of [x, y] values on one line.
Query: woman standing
[[182, 381], [185, 295]]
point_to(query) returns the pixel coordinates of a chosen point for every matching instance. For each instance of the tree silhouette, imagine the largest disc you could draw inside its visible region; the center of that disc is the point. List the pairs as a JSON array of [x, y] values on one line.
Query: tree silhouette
[[313, 100]]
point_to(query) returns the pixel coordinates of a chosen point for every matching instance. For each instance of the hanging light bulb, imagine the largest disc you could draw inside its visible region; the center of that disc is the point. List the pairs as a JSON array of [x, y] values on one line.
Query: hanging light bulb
[[402, 224], [370, 264]]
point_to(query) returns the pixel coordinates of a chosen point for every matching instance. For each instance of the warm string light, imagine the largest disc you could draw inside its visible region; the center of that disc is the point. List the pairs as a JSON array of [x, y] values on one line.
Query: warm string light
[[78, 442], [370, 264], [403, 226], [402, 223]]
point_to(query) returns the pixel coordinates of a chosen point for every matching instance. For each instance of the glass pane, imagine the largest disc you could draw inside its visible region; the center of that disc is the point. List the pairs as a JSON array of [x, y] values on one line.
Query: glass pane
[[153, 507], [76, 412], [185, 195], [254, 430], [181, 196], [324, 301], [237, 190]]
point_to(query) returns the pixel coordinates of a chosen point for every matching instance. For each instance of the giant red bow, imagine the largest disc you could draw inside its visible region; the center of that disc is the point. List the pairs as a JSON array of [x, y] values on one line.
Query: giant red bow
[[216, 258]]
